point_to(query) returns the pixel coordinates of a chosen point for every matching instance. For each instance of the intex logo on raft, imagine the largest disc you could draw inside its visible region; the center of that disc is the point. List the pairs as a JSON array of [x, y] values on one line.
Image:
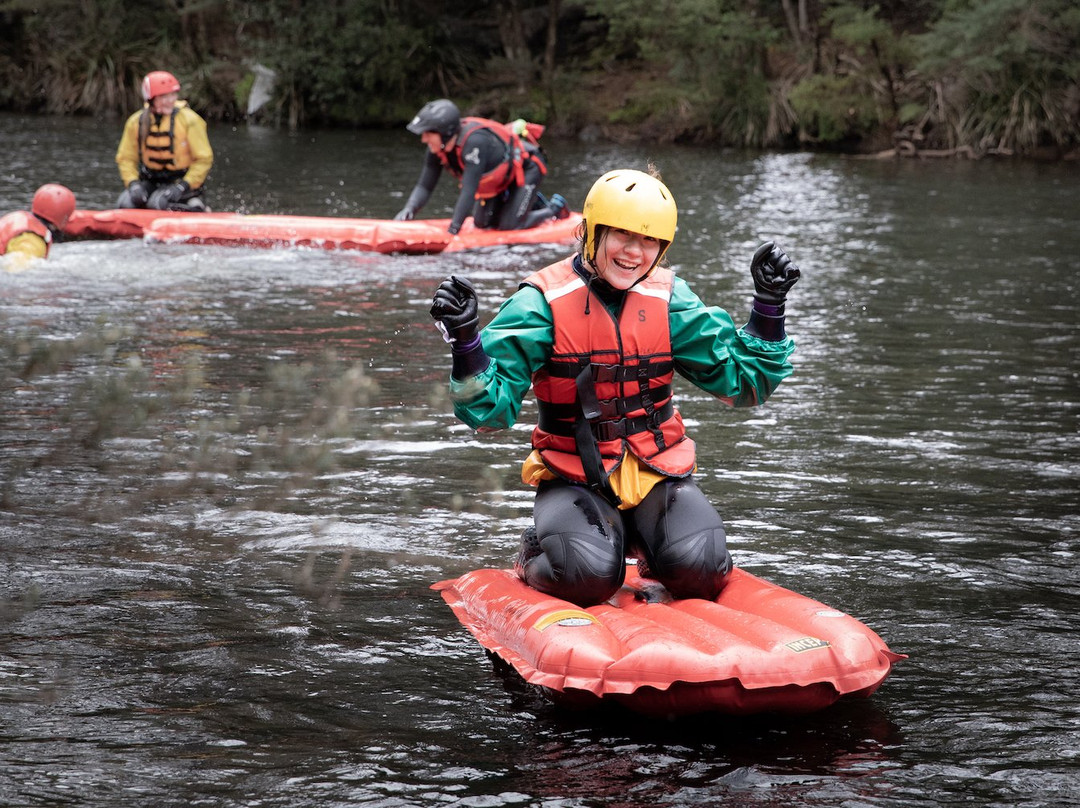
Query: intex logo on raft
[[806, 644]]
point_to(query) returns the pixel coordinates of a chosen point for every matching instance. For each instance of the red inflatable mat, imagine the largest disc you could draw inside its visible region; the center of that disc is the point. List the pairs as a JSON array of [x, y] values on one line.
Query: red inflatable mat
[[757, 648], [369, 235]]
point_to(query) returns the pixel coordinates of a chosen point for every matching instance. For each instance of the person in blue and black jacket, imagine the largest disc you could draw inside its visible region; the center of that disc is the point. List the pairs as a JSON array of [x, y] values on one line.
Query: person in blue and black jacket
[[499, 167]]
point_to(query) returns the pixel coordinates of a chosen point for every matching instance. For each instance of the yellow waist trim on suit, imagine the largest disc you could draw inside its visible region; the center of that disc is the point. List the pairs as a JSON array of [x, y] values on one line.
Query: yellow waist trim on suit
[[631, 481]]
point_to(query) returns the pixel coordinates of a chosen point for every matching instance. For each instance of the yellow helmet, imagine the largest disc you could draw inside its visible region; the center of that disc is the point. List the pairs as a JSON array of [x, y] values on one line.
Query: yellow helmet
[[630, 200]]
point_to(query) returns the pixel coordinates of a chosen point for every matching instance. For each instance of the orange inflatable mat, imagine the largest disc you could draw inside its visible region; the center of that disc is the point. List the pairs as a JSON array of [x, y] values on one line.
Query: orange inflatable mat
[[757, 648], [418, 236]]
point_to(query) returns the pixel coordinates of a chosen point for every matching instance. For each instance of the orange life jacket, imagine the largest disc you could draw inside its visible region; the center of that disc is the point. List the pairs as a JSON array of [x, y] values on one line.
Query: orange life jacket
[[511, 172], [158, 155], [606, 388], [19, 222]]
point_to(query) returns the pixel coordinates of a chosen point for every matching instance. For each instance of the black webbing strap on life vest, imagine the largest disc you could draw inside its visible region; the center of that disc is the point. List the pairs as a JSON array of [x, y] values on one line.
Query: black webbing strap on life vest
[[595, 421], [605, 430], [587, 446], [612, 408], [649, 397], [611, 373]]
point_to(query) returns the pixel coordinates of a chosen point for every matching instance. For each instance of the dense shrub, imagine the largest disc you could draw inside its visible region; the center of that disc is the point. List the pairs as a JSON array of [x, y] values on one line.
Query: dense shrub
[[974, 75]]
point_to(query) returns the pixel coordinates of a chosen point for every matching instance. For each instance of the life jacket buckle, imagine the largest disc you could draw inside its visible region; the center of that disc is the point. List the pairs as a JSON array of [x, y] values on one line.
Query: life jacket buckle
[[609, 430], [612, 407], [605, 373]]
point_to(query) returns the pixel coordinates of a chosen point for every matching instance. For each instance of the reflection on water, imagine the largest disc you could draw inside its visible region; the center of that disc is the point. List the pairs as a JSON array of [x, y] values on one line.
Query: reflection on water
[[228, 478]]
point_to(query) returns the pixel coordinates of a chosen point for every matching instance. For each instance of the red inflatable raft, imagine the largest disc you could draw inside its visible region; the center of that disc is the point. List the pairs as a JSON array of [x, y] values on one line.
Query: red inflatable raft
[[106, 224], [368, 235], [757, 648]]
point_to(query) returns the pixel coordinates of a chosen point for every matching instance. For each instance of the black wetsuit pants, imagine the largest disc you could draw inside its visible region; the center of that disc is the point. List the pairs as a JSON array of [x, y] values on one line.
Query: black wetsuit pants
[[511, 210], [584, 540]]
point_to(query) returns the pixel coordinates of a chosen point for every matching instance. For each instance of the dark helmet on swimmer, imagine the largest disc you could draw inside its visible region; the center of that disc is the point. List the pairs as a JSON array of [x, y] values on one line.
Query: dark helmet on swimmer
[[440, 115], [629, 200], [159, 82], [53, 204]]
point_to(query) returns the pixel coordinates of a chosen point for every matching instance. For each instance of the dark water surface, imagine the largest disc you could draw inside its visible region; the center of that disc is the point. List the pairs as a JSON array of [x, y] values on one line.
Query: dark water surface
[[229, 477]]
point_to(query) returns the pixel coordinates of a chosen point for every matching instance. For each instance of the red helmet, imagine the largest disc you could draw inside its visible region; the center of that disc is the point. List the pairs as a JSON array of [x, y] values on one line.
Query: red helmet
[[54, 204], [158, 83]]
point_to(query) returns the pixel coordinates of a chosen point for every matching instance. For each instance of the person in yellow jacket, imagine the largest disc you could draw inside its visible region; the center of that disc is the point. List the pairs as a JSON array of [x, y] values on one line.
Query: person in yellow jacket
[[164, 154], [25, 235]]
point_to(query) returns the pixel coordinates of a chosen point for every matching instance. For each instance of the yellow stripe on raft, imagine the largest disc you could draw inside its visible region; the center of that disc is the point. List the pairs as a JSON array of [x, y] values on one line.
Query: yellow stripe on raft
[[574, 617]]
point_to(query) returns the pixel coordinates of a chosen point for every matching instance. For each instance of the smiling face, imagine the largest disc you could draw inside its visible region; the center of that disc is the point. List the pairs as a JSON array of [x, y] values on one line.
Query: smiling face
[[623, 257]]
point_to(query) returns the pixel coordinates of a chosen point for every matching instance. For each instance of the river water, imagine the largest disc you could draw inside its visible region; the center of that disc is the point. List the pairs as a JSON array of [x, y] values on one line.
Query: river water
[[228, 478]]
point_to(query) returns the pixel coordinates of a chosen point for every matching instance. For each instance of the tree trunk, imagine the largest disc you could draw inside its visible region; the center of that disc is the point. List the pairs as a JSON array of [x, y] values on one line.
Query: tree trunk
[[552, 40], [512, 34], [549, 56], [793, 20]]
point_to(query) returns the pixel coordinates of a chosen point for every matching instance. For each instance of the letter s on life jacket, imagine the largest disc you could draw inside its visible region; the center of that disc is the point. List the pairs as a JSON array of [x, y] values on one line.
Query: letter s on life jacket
[[614, 375]]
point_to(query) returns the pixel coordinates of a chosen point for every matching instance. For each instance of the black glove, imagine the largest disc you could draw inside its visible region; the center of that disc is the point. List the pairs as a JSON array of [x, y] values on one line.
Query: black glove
[[453, 229], [175, 192], [774, 274], [405, 214], [456, 313], [455, 310], [137, 193]]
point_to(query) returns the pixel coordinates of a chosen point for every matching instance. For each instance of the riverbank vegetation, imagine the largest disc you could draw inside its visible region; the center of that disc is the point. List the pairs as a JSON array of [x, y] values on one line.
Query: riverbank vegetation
[[909, 77]]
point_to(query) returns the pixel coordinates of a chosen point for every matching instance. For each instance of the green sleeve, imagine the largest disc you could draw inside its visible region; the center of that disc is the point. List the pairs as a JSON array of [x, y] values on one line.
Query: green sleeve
[[709, 351], [518, 341]]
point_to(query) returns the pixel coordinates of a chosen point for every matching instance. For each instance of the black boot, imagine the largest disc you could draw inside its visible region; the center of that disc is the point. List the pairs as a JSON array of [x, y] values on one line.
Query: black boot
[[530, 549]]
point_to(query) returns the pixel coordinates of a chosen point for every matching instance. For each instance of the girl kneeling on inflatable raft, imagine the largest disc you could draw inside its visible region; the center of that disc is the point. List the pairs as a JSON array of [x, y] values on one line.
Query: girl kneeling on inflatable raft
[[599, 336]]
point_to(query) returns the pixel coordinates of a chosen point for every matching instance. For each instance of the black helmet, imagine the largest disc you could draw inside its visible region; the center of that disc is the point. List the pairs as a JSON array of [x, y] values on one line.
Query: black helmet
[[440, 115]]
